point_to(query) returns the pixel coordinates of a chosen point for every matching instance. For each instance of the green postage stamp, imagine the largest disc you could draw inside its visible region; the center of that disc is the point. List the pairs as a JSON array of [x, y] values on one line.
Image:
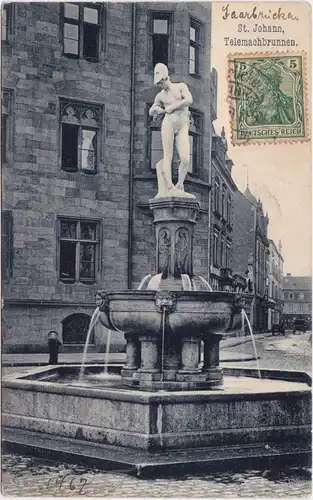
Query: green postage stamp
[[267, 96]]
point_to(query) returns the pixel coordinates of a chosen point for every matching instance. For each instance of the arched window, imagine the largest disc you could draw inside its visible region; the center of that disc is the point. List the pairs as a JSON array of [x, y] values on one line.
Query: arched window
[[75, 329]]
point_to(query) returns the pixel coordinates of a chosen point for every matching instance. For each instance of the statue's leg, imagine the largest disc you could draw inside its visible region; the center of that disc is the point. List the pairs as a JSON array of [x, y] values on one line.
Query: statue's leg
[[167, 134], [183, 148]]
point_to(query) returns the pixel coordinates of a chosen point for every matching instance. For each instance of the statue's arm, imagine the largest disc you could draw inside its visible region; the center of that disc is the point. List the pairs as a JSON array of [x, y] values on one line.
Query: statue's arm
[[157, 107], [186, 100]]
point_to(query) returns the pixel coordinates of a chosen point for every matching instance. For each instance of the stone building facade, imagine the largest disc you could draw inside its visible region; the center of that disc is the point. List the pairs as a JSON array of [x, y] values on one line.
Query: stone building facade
[[275, 284], [297, 299], [223, 188], [251, 245], [79, 154]]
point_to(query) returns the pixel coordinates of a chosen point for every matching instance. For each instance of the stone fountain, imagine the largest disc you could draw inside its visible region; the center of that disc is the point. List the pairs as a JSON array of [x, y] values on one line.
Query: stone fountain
[[165, 401]]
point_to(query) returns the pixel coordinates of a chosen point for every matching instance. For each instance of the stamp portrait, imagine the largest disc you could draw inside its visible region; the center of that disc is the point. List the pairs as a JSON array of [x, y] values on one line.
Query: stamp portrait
[[267, 96]]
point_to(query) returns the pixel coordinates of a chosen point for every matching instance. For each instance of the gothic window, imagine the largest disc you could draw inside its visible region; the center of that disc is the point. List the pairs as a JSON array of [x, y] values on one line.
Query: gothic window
[[80, 136], [75, 329], [79, 252], [291, 295], [216, 194], [82, 30], [6, 124], [160, 34], [195, 44], [6, 245]]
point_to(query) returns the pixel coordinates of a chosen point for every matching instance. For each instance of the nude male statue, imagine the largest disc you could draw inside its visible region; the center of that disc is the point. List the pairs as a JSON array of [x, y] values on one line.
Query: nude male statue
[[173, 101]]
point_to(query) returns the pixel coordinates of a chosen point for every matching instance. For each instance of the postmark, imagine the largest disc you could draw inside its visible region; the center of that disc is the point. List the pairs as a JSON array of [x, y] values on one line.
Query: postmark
[[268, 98]]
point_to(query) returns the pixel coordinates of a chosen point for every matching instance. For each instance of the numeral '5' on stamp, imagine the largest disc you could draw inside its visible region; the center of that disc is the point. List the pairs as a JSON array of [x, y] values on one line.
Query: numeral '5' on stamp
[[267, 96]]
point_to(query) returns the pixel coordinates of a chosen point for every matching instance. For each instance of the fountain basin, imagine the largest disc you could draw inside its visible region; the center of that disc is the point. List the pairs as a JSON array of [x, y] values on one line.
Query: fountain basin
[[250, 413], [138, 311], [164, 330]]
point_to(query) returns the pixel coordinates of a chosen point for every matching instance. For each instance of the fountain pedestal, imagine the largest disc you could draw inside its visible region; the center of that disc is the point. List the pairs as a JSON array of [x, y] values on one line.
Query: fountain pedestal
[[172, 312]]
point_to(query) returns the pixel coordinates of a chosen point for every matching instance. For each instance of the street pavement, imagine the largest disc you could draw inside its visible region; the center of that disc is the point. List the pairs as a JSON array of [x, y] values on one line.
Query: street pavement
[[30, 476]]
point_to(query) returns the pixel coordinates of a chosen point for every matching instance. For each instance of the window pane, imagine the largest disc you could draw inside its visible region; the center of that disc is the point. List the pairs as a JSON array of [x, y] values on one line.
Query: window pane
[[87, 261], [160, 49], [4, 33], [192, 67], [160, 26], [192, 34], [192, 60], [69, 146], [70, 46], [91, 44], [88, 151], [156, 148], [88, 230], [71, 31], [68, 229], [67, 260], [91, 15], [71, 10]]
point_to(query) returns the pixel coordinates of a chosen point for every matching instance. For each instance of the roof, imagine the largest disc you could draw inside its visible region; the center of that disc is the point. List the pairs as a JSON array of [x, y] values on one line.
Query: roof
[[250, 196], [297, 283]]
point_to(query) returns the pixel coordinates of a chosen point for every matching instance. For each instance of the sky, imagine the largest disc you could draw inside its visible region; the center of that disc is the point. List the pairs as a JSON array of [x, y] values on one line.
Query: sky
[[280, 174]]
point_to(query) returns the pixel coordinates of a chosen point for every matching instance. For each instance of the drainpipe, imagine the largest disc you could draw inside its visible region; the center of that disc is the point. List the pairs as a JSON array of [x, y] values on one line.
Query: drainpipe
[[131, 148]]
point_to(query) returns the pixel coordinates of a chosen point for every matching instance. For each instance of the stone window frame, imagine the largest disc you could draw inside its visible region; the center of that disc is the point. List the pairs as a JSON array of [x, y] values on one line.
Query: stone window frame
[[101, 35], [80, 120], [7, 125], [96, 242], [197, 45], [7, 245], [169, 16], [154, 123]]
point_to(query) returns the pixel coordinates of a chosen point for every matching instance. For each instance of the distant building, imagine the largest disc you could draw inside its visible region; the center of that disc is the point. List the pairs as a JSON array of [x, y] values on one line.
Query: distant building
[[275, 284], [223, 189], [250, 244], [297, 298]]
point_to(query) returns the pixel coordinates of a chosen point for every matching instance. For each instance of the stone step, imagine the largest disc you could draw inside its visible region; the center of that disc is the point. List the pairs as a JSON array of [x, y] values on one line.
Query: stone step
[[146, 463]]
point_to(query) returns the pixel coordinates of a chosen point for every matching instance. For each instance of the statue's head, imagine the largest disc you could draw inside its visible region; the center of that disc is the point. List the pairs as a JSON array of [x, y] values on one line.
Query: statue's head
[[160, 74]]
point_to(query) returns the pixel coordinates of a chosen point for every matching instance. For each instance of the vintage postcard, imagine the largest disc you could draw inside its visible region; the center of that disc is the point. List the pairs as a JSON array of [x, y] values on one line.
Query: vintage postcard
[[156, 249]]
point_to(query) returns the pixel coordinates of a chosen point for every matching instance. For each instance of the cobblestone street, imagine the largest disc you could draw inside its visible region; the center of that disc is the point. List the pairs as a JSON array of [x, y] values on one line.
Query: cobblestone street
[[29, 476]]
